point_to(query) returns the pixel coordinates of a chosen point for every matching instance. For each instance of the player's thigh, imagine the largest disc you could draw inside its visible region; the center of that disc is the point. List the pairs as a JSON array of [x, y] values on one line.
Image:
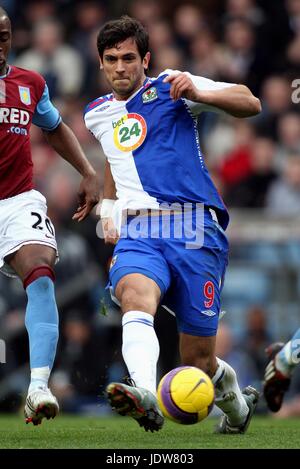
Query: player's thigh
[[138, 271], [198, 351], [196, 289], [30, 256], [29, 234]]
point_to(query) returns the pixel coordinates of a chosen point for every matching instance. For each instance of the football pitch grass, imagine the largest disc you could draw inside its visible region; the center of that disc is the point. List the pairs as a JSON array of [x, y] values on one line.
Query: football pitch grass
[[124, 433]]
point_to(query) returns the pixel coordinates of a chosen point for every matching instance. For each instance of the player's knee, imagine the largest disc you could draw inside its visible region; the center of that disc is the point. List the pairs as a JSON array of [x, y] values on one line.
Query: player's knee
[[37, 261], [138, 300], [138, 293], [43, 272]]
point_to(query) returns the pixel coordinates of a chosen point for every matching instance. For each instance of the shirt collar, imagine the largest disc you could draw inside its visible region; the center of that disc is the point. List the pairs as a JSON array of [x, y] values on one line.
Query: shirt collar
[[7, 73]]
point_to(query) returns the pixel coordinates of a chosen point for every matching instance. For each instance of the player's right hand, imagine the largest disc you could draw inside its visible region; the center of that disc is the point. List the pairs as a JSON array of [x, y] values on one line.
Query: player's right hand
[[110, 233], [181, 86], [88, 196]]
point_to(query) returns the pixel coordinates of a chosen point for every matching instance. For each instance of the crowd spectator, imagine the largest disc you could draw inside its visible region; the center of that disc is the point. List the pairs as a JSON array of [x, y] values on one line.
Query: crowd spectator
[[283, 199], [252, 190], [59, 63]]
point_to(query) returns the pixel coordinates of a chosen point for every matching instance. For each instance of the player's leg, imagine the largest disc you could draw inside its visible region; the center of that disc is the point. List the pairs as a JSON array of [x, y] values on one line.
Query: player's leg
[[195, 296], [34, 265], [139, 277], [237, 406], [138, 296], [283, 360], [198, 351]]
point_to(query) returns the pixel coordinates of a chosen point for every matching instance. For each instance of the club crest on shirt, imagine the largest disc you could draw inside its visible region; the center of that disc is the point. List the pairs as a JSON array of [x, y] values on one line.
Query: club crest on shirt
[[24, 93], [149, 95]]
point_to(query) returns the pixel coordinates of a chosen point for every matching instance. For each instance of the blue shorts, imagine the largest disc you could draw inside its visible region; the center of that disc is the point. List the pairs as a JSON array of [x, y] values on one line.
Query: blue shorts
[[189, 271]]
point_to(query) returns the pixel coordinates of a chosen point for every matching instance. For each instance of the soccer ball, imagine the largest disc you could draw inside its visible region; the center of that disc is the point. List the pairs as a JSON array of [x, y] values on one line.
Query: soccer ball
[[186, 395]]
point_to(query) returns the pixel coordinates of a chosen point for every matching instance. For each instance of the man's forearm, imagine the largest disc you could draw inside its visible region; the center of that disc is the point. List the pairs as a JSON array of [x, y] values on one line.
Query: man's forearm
[[236, 100], [64, 142], [109, 189]]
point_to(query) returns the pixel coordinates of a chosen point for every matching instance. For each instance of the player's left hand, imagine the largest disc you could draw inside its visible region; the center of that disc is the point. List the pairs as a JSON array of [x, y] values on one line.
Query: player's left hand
[[182, 87], [110, 233], [88, 196]]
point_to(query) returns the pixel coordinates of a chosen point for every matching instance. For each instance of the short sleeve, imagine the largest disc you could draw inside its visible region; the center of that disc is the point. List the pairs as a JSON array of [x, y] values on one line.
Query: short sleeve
[[46, 115], [205, 84]]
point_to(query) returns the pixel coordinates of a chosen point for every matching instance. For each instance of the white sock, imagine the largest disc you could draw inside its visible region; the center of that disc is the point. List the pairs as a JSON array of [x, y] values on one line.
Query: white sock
[[228, 394], [140, 348], [39, 377], [283, 360], [288, 357]]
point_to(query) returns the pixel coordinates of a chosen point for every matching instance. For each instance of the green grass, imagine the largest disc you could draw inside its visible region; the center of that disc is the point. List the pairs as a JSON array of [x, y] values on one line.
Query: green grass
[[121, 433]]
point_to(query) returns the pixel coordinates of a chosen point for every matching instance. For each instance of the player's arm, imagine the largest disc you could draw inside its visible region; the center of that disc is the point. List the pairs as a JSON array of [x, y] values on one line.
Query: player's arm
[[64, 142], [236, 100], [109, 189], [110, 233]]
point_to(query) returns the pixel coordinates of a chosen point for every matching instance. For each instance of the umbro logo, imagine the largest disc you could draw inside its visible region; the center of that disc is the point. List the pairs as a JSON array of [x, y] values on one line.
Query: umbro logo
[[208, 312], [103, 108]]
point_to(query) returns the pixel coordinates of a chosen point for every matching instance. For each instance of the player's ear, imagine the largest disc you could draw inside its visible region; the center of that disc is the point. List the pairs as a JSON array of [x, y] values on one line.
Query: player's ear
[[146, 60], [101, 63]]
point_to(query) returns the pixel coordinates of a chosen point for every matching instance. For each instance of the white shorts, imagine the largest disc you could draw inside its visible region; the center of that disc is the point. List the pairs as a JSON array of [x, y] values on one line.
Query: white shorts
[[23, 220]]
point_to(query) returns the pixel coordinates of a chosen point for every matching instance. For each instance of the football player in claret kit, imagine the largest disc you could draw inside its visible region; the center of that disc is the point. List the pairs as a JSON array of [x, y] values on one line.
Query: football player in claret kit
[[27, 239], [148, 131], [284, 358]]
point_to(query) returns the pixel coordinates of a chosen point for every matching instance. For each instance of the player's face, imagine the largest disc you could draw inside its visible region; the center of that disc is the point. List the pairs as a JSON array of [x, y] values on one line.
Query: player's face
[[5, 42], [124, 68]]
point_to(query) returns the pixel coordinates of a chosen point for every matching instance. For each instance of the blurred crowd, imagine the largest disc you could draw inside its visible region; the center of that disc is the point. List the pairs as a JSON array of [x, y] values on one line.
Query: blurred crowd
[[255, 164]]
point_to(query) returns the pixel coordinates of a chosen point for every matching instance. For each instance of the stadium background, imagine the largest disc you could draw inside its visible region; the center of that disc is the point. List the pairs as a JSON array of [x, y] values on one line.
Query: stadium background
[[255, 164]]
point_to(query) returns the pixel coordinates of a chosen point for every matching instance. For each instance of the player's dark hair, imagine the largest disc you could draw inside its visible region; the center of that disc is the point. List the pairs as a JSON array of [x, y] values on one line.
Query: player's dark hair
[[116, 31]]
